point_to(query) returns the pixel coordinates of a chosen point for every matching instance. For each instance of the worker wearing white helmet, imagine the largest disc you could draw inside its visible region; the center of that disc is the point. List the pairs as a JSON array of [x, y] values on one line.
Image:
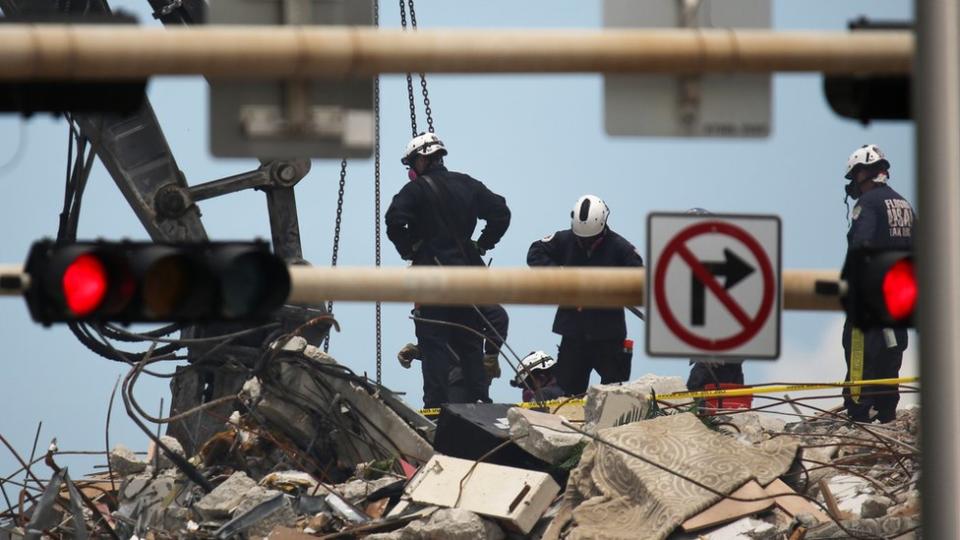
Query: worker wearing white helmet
[[537, 378], [881, 219], [592, 338], [431, 221]]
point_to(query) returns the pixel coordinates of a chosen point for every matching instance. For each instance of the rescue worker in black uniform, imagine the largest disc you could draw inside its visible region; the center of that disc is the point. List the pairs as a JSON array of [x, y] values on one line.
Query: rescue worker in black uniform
[[881, 219], [496, 324], [591, 338], [431, 222]]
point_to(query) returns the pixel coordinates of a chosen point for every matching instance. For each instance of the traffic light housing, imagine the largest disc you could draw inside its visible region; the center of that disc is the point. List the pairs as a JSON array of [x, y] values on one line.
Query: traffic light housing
[[70, 96], [881, 288], [870, 97], [149, 282]]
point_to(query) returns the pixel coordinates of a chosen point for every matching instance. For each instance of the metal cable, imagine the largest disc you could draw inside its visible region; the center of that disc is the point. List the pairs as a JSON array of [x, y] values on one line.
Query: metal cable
[[336, 237], [376, 199]]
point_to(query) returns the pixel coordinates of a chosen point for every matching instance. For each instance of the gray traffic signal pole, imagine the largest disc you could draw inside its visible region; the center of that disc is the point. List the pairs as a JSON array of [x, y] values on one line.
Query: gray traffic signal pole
[[936, 102]]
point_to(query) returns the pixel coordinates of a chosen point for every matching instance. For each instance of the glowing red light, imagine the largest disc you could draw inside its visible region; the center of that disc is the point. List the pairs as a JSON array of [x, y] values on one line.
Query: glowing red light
[[900, 289], [84, 284]]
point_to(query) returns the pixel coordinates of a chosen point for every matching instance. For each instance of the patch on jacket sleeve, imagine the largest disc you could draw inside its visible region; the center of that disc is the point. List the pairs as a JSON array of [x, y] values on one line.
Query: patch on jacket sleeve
[[548, 237], [856, 212]]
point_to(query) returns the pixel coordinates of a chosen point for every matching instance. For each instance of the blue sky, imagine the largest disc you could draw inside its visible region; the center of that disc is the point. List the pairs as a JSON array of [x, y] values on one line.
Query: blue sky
[[537, 140]]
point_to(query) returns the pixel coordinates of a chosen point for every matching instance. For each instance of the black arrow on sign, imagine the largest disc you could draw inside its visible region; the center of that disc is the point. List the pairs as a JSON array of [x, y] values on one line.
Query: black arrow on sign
[[733, 269]]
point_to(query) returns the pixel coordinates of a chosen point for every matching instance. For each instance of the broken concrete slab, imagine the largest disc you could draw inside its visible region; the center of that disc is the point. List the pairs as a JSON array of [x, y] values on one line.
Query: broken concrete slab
[[616, 494], [543, 435], [515, 497], [446, 524], [454, 524], [125, 462], [260, 511], [753, 428], [874, 506], [161, 461], [225, 498], [318, 400], [355, 491], [611, 405], [289, 481]]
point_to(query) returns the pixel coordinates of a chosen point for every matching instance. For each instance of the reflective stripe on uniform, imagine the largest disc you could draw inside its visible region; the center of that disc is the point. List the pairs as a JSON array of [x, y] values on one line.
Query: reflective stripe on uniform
[[856, 362]]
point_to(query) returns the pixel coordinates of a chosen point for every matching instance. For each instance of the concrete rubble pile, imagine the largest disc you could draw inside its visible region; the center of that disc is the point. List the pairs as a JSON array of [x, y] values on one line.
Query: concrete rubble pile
[[313, 453]]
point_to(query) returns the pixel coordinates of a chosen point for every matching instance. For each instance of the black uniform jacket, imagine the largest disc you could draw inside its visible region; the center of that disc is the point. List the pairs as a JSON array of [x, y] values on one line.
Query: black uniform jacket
[[881, 219], [423, 225], [563, 249]]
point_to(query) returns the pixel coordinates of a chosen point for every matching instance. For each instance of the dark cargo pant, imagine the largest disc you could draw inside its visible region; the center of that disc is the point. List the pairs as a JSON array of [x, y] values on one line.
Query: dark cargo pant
[[578, 357], [869, 356], [443, 347]]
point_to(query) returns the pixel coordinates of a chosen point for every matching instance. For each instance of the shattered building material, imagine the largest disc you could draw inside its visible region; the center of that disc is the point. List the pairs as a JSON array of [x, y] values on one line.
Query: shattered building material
[[159, 459], [124, 461], [616, 494], [446, 524], [515, 497], [322, 407], [543, 435], [794, 505], [611, 405], [258, 515], [225, 498], [727, 510], [474, 430]]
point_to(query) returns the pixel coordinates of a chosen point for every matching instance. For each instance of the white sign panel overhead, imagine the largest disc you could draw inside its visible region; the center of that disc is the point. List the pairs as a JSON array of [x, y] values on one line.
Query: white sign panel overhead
[[708, 105]]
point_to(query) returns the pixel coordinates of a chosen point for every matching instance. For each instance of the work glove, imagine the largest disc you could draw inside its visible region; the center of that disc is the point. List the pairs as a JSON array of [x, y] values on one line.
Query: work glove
[[408, 354], [491, 366]]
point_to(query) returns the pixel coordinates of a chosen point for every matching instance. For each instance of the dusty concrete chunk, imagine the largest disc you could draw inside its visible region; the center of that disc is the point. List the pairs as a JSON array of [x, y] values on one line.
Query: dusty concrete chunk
[[453, 524], [611, 405], [124, 462], [219, 503], [753, 428], [289, 481], [284, 515], [164, 461], [355, 491], [542, 435], [875, 506]]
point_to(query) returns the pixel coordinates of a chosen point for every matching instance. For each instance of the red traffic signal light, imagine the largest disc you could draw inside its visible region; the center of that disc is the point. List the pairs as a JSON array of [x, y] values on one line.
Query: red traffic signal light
[[146, 282], [881, 288]]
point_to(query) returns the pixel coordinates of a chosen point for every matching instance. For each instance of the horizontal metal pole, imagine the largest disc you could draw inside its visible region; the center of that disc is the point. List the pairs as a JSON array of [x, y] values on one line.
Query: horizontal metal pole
[[249, 52], [588, 287], [594, 287]]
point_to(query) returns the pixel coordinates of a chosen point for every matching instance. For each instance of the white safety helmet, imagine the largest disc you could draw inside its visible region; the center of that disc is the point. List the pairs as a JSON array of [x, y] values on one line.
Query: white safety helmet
[[534, 361], [589, 216], [868, 154], [424, 144]]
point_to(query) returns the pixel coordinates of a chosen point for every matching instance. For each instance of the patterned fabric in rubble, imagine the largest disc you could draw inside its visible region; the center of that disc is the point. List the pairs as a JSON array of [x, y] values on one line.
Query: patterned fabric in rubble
[[617, 496]]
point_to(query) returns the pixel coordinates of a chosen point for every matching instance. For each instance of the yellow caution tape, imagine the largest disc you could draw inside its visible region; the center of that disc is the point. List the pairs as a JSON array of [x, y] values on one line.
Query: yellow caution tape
[[731, 392]]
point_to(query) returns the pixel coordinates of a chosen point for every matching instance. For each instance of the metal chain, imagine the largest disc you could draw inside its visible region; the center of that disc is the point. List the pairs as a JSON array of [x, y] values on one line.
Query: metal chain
[[423, 78], [336, 237], [376, 194], [411, 100]]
